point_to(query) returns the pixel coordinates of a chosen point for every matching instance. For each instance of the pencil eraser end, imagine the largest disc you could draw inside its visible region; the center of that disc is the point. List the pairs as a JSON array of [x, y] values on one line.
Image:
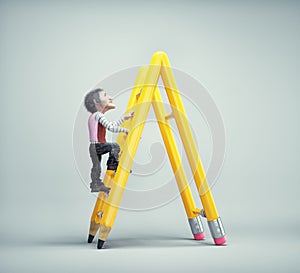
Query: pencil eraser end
[[199, 236], [220, 241]]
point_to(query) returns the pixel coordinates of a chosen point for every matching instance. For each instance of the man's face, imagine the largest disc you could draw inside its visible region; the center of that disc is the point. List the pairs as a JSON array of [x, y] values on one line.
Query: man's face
[[106, 101]]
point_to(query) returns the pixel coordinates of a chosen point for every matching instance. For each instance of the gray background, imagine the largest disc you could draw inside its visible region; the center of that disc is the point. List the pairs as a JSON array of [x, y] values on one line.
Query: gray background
[[245, 53]]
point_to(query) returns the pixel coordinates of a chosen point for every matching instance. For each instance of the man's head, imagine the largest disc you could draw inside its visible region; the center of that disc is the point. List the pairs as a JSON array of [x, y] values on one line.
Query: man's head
[[98, 100]]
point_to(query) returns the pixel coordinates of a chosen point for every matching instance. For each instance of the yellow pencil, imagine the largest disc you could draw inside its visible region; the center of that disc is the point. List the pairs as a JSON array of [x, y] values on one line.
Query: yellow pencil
[[175, 160], [214, 221]]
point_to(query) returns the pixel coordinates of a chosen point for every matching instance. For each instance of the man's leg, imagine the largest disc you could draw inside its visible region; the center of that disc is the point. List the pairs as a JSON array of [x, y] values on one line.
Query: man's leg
[[113, 159], [101, 149], [96, 169]]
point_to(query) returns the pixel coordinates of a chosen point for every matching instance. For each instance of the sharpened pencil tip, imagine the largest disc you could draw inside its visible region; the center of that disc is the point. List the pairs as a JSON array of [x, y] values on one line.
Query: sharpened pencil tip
[[91, 238], [100, 244]]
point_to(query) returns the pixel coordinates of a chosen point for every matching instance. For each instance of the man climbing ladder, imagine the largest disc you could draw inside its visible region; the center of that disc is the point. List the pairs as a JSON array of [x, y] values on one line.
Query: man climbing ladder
[[98, 102]]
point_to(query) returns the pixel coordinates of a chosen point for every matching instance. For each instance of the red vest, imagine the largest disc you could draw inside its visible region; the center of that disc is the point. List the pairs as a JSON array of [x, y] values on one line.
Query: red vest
[[101, 133]]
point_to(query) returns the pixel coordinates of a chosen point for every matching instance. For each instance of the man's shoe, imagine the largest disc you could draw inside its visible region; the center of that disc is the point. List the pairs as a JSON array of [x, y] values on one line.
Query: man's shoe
[[104, 188], [96, 187]]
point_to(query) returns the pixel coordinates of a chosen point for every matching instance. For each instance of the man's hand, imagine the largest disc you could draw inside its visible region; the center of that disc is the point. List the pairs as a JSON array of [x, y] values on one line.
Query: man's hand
[[129, 116]]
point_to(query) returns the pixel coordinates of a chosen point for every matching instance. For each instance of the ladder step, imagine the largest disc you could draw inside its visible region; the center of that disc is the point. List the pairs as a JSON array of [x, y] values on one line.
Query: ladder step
[[169, 116]]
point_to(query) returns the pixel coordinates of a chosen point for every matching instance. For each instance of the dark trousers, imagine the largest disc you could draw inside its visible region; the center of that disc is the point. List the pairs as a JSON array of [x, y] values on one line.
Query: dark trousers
[[96, 152]]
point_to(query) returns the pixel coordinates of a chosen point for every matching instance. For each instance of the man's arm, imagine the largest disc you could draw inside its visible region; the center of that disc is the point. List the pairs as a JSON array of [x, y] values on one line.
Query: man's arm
[[112, 126]]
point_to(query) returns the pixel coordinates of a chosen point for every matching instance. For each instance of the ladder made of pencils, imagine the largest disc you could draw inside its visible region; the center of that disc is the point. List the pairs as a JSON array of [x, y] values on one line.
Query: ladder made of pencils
[[144, 94]]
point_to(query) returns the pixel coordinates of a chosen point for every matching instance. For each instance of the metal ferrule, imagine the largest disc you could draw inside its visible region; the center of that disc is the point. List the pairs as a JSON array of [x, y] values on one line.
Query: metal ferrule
[[196, 225], [216, 228]]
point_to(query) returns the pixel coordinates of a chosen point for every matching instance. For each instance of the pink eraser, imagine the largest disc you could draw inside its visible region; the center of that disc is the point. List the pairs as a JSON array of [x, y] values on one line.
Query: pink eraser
[[220, 241], [199, 236]]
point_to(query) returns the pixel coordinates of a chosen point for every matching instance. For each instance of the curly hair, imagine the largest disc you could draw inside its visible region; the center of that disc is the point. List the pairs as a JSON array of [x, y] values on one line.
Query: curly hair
[[89, 99]]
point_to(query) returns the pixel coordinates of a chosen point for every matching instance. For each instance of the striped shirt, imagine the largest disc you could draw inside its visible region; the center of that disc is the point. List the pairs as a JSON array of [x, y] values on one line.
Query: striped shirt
[[98, 124]]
